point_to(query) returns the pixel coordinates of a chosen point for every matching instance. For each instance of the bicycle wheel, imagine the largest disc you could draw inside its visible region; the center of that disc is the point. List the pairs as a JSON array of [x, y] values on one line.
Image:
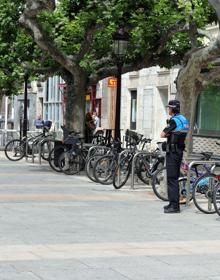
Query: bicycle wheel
[[70, 163], [46, 148], [216, 199], [142, 167], [203, 191], [122, 173], [104, 169], [15, 150], [90, 167], [159, 184], [54, 157]]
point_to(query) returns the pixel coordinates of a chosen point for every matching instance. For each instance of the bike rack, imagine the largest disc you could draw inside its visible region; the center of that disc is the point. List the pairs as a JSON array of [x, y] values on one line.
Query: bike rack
[[133, 165], [189, 175], [97, 147], [35, 143], [26, 149], [122, 153]]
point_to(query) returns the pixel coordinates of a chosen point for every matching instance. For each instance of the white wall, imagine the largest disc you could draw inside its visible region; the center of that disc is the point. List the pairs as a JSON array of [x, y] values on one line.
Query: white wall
[[155, 86]]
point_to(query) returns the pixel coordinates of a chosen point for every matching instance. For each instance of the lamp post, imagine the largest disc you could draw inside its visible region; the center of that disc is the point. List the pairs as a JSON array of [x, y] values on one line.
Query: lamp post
[[120, 43], [25, 120], [21, 115]]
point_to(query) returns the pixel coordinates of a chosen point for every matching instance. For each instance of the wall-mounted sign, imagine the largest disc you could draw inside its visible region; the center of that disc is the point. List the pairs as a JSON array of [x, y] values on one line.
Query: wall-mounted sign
[[112, 82], [88, 97]]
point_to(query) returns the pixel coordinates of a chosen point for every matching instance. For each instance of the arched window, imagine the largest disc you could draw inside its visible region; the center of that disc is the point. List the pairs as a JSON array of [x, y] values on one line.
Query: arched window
[[208, 112]]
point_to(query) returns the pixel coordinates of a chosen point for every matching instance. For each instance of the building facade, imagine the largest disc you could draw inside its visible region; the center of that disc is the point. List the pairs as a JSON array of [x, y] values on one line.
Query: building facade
[[145, 94]]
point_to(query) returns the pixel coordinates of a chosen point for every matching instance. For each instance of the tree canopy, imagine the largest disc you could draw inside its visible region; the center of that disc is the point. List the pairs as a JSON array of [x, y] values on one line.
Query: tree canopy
[[71, 33], [73, 38]]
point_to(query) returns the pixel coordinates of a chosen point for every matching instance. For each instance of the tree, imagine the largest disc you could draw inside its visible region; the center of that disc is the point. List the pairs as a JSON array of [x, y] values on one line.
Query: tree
[[200, 67], [78, 36], [73, 38]]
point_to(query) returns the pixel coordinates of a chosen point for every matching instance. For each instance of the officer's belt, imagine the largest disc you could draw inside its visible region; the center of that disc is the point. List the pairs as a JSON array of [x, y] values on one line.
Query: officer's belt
[[172, 148]]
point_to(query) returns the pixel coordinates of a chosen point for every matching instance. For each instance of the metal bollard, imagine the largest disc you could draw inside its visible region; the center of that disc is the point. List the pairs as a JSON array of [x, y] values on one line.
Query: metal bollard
[[96, 148], [32, 147]]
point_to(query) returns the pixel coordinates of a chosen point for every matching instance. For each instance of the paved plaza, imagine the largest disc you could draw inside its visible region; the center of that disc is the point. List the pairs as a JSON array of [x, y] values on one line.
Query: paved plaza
[[59, 227]]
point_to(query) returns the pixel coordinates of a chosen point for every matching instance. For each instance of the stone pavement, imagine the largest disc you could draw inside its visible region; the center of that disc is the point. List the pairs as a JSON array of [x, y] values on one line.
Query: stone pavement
[[59, 227]]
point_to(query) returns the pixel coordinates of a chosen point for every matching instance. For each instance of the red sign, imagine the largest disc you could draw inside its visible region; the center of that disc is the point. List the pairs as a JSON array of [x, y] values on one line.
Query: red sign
[[112, 82]]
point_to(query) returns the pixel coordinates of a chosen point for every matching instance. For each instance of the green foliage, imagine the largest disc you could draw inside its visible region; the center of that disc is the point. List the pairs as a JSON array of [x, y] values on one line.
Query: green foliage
[[147, 21]]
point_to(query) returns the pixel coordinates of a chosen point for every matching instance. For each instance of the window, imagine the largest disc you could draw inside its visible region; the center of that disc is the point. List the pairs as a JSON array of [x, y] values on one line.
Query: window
[[133, 118], [208, 112]]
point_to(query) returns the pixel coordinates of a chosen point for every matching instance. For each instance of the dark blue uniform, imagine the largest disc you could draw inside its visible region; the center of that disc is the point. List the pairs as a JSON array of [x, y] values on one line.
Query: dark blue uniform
[[176, 132]]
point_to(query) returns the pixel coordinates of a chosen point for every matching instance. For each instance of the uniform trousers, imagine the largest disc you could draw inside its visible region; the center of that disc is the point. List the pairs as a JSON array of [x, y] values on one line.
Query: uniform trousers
[[173, 162]]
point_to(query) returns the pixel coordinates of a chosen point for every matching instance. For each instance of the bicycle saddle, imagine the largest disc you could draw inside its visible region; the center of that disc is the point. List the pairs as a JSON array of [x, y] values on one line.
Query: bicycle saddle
[[206, 155]]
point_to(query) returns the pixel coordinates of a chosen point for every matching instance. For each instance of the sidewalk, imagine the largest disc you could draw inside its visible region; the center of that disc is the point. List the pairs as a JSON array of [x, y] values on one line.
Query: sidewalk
[[59, 227]]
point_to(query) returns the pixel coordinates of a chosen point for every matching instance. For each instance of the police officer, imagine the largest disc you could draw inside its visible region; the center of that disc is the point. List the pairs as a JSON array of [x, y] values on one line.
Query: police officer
[[175, 132]]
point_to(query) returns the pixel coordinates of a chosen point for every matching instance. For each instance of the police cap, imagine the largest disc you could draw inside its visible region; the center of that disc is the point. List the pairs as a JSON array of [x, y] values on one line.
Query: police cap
[[175, 104]]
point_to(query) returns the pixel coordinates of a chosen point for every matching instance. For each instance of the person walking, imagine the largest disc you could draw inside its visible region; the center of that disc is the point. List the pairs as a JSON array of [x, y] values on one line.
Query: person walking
[[175, 132]]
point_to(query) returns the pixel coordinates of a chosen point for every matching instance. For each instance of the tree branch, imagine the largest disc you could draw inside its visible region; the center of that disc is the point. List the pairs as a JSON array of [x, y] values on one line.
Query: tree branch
[[178, 27], [29, 21], [211, 76], [86, 43]]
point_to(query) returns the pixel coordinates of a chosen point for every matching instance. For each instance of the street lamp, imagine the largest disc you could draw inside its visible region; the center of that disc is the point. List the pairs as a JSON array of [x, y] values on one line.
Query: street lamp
[[25, 120], [120, 43]]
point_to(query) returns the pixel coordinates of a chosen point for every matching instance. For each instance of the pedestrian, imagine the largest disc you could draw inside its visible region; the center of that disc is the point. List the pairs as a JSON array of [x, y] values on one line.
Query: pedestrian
[[96, 120], [89, 127], [39, 123], [175, 132]]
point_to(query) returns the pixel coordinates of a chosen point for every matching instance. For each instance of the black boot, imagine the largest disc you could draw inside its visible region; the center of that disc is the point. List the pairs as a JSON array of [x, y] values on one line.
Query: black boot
[[172, 210], [167, 206]]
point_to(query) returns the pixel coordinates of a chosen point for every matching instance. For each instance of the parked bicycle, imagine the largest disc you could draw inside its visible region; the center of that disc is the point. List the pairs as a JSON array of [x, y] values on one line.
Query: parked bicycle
[[17, 149], [206, 191], [68, 156], [105, 165], [145, 164], [159, 179]]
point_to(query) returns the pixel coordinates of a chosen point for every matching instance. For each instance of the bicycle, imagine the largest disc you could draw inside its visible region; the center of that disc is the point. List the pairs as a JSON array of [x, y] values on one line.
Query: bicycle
[[72, 159], [90, 162], [17, 149], [68, 156], [204, 190], [216, 196], [144, 166], [159, 179], [105, 165]]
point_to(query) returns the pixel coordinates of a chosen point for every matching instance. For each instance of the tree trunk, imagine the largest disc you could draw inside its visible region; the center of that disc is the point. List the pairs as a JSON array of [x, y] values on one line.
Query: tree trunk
[[75, 104], [188, 91]]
